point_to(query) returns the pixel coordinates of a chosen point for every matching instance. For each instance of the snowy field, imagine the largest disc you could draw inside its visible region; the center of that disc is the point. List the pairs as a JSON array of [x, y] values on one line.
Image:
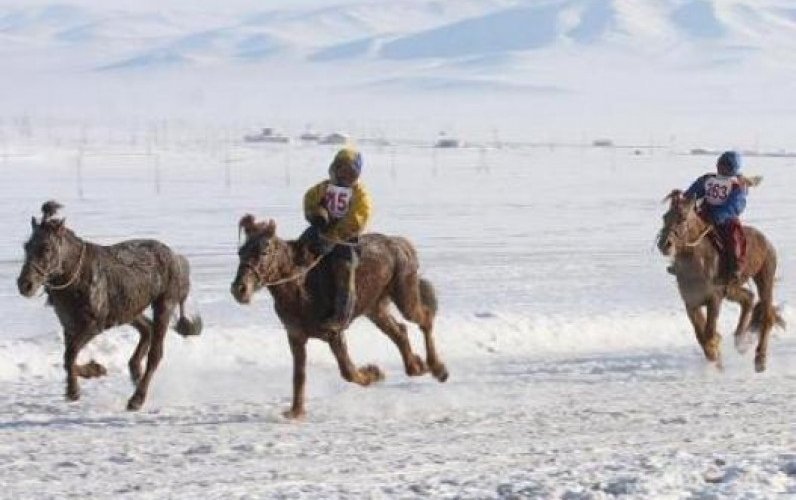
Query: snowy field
[[574, 372]]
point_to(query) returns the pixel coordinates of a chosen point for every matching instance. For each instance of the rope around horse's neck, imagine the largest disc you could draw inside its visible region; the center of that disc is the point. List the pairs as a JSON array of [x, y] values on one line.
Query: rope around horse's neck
[[339, 242], [74, 275], [293, 277], [699, 239]]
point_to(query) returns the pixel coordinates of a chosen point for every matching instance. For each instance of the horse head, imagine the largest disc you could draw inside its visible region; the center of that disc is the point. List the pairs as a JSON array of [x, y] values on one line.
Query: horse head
[[45, 250], [256, 257], [674, 232]]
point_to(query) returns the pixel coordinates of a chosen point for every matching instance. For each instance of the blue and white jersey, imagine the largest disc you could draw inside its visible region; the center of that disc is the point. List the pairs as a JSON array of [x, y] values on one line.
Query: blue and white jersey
[[724, 197]]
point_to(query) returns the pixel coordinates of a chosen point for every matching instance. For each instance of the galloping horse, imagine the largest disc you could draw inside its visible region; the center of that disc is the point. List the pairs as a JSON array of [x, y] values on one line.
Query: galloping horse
[[94, 287], [698, 268], [302, 292]]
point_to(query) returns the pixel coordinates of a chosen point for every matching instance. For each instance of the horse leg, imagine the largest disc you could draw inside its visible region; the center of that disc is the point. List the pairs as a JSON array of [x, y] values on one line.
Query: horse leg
[[92, 369], [413, 364], [363, 376], [698, 322], [162, 314], [745, 298], [74, 341], [144, 326], [298, 347], [409, 300], [765, 313], [712, 337]]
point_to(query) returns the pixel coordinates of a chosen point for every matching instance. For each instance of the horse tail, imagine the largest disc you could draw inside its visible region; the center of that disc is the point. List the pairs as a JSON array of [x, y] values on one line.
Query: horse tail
[[187, 327], [428, 296], [765, 316]]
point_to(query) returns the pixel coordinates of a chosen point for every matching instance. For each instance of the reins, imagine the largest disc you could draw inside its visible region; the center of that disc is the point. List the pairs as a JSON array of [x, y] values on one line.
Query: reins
[[699, 239], [284, 280]]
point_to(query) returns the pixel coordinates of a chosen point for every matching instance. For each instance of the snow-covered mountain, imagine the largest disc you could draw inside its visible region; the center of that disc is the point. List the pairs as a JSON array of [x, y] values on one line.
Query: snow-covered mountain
[[714, 55], [101, 37]]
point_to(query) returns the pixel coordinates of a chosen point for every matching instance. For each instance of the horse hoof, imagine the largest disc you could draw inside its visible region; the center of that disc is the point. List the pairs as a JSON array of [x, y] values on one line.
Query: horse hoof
[[760, 365], [72, 395], [417, 367], [371, 373], [440, 372], [294, 414], [135, 403], [95, 369]]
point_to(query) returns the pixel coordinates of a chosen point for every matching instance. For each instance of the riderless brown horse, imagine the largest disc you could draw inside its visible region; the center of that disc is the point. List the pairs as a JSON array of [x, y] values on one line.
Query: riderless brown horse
[[94, 287], [301, 286], [698, 266]]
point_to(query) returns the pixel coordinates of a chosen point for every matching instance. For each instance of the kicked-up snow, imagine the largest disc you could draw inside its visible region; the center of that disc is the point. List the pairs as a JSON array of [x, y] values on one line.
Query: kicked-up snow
[[574, 372]]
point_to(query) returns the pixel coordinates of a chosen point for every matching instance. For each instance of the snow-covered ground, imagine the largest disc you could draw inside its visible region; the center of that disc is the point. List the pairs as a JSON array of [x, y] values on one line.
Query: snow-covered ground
[[574, 373]]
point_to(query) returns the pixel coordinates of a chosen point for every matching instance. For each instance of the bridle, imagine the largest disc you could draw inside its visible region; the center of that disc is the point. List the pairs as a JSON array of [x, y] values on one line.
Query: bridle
[[686, 243], [75, 273], [261, 281]]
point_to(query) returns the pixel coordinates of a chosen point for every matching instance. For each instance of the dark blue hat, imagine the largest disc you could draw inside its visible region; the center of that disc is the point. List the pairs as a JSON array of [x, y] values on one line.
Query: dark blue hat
[[729, 163]]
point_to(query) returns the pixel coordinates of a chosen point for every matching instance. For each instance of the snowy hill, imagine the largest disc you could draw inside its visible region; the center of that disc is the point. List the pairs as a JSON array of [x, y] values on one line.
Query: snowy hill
[[659, 56], [407, 29]]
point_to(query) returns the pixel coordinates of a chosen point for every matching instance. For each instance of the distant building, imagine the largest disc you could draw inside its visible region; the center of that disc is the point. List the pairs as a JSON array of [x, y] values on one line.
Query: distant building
[[310, 137], [335, 138], [267, 135], [444, 141]]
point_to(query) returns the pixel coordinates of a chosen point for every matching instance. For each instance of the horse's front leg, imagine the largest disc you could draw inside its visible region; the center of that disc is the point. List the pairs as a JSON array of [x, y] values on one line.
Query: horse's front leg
[[162, 315], [697, 319], [712, 345], [745, 298], [298, 348], [74, 341], [364, 376]]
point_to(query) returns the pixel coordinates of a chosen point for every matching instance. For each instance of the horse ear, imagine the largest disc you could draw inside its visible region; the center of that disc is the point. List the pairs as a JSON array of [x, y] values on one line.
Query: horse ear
[[33, 223], [270, 228], [247, 224], [673, 197]]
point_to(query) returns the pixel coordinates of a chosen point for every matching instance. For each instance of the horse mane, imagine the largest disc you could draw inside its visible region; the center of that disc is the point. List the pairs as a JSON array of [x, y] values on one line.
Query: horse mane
[[250, 227], [50, 209], [676, 194]]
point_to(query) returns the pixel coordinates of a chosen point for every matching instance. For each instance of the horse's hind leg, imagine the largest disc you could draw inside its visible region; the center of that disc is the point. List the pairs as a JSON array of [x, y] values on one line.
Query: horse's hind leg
[[745, 298], [413, 364], [144, 326], [162, 313], [408, 298], [362, 376], [764, 315]]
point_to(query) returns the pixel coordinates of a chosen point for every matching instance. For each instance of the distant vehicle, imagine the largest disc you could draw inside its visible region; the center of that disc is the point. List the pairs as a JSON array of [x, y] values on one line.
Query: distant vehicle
[[603, 143], [447, 142], [267, 135], [335, 138]]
